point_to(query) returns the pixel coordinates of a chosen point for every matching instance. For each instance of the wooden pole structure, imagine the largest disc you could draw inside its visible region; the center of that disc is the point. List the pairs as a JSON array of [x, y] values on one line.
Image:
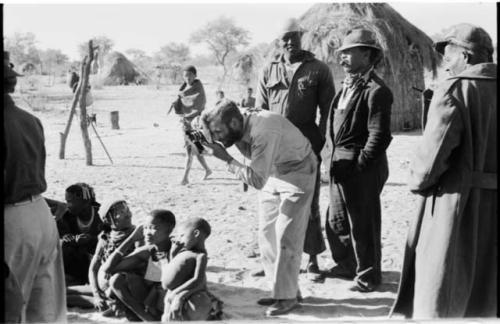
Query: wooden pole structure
[[64, 136], [83, 104]]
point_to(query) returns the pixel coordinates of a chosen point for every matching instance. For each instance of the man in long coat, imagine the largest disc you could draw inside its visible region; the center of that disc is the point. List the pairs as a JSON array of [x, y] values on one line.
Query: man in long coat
[[359, 132], [450, 266]]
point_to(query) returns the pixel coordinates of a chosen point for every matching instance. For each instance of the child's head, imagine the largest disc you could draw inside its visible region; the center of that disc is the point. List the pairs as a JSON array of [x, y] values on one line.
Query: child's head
[[193, 232], [116, 214], [158, 226], [80, 197]]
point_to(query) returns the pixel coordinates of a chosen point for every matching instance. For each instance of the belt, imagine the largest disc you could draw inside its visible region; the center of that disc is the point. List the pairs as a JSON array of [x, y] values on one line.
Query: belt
[[483, 180], [27, 200]]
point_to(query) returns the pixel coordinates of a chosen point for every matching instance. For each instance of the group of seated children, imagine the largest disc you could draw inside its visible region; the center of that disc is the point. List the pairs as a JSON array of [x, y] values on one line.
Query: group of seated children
[[147, 272]]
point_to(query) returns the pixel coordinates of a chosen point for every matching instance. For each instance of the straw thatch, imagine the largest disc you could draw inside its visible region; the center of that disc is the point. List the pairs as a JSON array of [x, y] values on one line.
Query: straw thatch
[[118, 70], [409, 59]]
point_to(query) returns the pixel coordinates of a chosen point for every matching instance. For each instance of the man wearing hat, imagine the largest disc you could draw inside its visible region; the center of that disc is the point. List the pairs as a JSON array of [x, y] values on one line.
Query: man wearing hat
[[296, 85], [31, 243], [450, 264], [359, 131]]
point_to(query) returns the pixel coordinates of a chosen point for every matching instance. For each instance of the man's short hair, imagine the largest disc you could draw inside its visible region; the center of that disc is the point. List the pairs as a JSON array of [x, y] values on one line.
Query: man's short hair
[[249, 88], [200, 224], [190, 68], [164, 216], [226, 110], [220, 92]]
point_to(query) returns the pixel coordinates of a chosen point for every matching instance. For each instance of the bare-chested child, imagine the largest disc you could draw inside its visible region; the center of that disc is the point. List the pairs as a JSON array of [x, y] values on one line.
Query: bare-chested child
[[141, 292], [184, 277]]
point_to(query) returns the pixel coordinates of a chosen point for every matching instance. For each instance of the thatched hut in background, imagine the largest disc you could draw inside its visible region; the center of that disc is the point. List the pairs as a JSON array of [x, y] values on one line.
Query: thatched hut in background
[[118, 70], [409, 59]]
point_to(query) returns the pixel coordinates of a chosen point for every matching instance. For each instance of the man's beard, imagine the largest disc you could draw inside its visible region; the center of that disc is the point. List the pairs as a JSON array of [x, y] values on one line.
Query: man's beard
[[232, 137]]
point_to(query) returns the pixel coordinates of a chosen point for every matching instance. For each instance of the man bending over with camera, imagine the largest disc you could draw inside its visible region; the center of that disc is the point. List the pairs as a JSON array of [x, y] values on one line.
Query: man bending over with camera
[[282, 167]]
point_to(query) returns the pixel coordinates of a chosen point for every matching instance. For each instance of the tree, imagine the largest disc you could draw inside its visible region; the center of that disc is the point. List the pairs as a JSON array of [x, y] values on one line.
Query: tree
[[53, 61], [135, 54], [173, 53], [222, 37], [22, 48]]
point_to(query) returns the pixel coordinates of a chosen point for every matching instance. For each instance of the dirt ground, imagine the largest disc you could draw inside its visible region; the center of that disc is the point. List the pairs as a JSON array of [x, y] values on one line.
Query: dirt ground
[[148, 160]]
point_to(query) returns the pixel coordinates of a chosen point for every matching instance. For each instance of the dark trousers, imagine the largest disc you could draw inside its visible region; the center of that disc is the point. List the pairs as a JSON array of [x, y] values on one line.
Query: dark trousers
[[353, 224], [314, 243]]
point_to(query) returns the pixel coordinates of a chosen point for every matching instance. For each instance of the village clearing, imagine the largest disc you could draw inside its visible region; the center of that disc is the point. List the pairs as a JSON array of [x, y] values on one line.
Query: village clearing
[[149, 157]]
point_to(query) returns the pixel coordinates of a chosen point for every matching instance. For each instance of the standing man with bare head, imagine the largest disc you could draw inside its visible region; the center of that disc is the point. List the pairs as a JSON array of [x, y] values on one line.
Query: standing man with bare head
[[32, 250], [451, 258], [359, 130], [297, 85]]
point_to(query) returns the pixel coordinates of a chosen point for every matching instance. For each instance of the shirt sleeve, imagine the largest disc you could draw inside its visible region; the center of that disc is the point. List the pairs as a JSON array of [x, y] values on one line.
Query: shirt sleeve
[[326, 92], [262, 99], [264, 151]]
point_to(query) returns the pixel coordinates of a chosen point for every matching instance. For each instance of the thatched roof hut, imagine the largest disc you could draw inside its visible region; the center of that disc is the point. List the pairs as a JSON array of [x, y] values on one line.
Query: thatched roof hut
[[409, 57], [118, 70]]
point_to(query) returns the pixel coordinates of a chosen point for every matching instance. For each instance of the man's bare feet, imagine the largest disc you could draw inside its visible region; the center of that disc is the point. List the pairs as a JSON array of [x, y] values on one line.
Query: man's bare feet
[[207, 174]]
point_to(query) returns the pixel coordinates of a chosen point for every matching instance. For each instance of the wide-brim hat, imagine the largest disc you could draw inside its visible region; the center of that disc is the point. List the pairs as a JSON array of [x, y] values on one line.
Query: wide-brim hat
[[467, 36], [359, 38], [291, 25]]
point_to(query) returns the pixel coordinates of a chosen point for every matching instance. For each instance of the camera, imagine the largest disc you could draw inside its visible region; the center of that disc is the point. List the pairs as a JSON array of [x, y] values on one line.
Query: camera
[[197, 138]]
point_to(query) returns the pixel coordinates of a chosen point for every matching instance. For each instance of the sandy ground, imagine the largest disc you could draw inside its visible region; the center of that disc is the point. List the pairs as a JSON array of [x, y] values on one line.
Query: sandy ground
[[148, 158]]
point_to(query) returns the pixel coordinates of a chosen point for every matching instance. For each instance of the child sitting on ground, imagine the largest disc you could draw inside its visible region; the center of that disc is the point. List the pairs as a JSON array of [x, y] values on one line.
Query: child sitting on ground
[[187, 298], [141, 292], [116, 215]]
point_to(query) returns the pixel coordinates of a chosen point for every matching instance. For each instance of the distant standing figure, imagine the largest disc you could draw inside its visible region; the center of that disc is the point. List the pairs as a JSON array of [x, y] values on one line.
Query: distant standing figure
[[219, 95], [191, 102], [451, 258], [73, 81], [32, 252], [248, 101]]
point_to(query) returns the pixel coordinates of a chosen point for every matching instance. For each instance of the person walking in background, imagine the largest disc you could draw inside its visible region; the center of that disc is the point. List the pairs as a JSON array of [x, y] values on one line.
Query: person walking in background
[[32, 250], [359, 130], [190, 103], [296, 85], [450, 264], [248, 101], [219, 95], [282, 167]]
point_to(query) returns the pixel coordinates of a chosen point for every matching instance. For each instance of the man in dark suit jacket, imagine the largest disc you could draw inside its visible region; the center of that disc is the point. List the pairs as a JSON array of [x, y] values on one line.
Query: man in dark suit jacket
[[359, 129]]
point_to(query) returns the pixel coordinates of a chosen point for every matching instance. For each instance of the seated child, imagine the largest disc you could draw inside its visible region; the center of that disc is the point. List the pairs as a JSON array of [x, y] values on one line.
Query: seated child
[[141, 293], [184, 276], [115, 214], [78, 229]]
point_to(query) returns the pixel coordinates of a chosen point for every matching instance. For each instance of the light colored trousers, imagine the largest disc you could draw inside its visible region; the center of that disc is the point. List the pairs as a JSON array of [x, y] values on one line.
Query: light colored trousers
[[33, 253], [284, 207]]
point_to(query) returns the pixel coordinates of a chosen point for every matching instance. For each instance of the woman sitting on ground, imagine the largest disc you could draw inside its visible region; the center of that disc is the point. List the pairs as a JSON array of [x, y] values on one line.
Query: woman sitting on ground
[[78, 229]]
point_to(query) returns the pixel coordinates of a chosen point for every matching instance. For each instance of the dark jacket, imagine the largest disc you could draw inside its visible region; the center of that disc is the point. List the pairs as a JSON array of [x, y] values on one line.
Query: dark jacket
[[24, 154], [450, 263], [363, 127], [68, 225], [311, 87]]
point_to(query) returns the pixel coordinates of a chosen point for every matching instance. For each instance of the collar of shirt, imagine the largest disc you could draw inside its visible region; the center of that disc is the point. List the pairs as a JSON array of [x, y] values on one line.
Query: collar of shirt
[[350, 81], [246, 127]]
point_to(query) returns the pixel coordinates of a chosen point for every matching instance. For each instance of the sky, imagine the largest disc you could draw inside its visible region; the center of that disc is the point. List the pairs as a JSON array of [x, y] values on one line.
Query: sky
[[151, 26]]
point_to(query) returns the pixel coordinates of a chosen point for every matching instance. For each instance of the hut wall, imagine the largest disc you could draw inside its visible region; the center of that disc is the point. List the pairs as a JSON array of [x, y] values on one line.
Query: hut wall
[[408, 61]]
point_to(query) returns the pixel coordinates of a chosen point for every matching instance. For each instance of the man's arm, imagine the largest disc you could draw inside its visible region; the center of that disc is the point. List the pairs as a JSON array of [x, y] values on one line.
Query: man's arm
[[326, 92], [198, 278], [379, 127], [441, 136], [262, 99], [130, 262], [264, 151]]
